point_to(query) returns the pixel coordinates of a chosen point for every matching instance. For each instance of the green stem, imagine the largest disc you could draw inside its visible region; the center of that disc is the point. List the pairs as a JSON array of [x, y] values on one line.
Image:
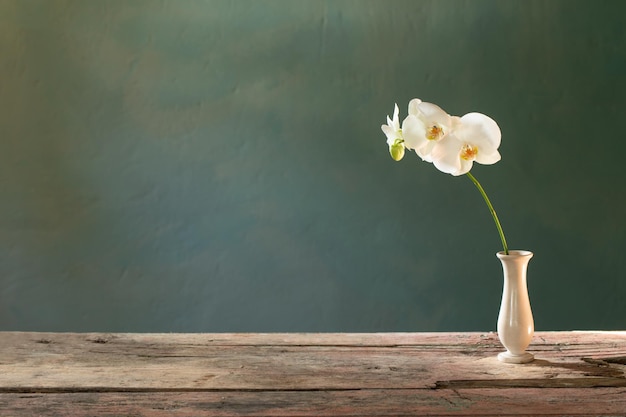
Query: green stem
[[492, 210]]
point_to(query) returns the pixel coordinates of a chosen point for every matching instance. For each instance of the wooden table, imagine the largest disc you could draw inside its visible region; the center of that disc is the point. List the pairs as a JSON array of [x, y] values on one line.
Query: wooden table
[[379, 374]]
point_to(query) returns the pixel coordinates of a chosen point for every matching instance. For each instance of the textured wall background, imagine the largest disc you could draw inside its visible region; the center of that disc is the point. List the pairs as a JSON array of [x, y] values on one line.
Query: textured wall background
[[219, 165]]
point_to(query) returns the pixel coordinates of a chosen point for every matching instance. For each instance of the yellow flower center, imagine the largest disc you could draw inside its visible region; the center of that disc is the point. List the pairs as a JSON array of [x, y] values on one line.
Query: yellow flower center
[[469, 152], [434, 132]]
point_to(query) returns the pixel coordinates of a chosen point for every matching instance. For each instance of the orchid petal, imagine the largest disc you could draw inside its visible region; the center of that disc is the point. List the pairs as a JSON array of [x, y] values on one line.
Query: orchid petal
[[445, 155], [391, 133], [479, 130], [414, 106], [487, 158], [395, 120], [392, 128], [425, 152], [435, 114], [414, 132], [466, 166]]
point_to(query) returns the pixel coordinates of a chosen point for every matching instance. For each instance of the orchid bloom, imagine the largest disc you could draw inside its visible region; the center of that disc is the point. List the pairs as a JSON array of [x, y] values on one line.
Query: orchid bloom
[[392, 130], [425, 126], [451, 143], [475, 137]]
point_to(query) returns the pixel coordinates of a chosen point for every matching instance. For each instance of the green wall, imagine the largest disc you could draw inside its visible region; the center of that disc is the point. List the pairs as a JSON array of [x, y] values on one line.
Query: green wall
[[219, 165]]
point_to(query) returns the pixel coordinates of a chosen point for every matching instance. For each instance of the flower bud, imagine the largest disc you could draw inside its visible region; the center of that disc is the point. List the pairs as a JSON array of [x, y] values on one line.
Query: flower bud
[[397, 151]]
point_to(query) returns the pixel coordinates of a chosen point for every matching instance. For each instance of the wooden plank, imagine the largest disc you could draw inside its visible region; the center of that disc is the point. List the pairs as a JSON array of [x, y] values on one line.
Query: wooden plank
[[541, 339], [253, 339], [302, 362], [447, 402], [385, 374]]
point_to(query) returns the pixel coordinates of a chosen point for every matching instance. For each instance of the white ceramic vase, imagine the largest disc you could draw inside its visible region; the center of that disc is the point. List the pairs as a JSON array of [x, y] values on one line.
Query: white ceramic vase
[[515, 321]]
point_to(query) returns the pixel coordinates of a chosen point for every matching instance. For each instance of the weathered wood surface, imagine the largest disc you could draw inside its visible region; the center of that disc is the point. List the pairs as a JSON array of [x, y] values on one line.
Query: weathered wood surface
[[381, 374]]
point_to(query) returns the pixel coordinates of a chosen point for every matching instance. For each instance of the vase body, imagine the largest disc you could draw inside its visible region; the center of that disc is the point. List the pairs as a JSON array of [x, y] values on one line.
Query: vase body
[[515, 320]]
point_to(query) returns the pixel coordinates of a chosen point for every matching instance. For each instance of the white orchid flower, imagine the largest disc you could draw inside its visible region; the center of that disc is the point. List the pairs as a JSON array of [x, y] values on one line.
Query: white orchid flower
[[425, 126], [395, 140], [474, 138], [451, 143]]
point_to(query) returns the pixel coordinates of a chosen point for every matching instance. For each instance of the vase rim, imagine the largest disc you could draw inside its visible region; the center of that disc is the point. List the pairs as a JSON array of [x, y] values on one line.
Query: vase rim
[[514, 253]]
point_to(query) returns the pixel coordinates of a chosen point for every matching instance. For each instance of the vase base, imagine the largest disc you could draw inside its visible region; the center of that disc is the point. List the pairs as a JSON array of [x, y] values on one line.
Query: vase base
[[508, 357]]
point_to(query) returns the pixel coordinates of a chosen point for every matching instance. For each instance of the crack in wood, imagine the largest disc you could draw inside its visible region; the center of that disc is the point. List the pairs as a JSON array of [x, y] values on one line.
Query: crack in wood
[[122, 390], [620, 360], [533, 383]]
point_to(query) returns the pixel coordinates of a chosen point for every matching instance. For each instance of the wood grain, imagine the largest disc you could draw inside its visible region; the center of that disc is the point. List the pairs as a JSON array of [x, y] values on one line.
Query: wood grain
[[470, 402], [575, 373]]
